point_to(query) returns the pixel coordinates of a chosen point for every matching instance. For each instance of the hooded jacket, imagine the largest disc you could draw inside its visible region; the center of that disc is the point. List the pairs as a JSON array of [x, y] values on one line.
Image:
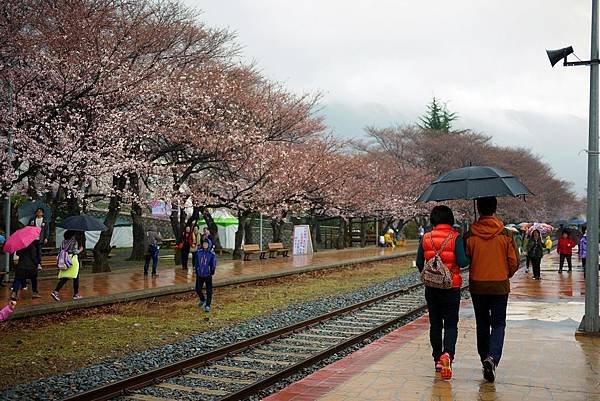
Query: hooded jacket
[[206, 263], [494, 256]]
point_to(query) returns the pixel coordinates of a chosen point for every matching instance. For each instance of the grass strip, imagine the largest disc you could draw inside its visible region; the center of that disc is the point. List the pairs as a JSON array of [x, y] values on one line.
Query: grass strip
[[42, 346]]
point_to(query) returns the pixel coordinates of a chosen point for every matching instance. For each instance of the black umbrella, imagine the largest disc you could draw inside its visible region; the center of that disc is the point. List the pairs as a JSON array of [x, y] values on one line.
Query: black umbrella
[[472, 183], [82, 223]]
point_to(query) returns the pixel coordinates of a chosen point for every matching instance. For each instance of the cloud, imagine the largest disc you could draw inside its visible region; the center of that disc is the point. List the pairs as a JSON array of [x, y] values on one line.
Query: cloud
[[378, 61]]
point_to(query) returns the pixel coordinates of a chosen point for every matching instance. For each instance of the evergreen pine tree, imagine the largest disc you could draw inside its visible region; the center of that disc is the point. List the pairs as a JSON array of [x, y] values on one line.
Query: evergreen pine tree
[[437, 117]]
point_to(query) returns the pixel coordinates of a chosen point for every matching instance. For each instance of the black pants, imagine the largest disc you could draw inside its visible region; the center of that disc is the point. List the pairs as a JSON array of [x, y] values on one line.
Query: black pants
[[185, 256], [527, 262], [535, 263], [38, 252], [443, 308], [562, 261], [63, 281], [201, 282], [490, 317], [19, 283]]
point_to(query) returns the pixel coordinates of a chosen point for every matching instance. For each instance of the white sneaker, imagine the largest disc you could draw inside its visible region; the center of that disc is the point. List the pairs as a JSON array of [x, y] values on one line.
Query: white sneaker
[[40, 267]]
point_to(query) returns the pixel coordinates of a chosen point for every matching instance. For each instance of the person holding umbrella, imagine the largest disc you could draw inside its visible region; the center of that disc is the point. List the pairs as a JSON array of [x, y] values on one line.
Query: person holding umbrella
[[40, 221], [494, 260], [535, 252], [489, 246], [68, 265], [24, 243]]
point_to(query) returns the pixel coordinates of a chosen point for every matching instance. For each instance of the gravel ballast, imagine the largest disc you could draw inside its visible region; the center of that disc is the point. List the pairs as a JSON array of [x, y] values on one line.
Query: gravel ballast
[[60, 386]]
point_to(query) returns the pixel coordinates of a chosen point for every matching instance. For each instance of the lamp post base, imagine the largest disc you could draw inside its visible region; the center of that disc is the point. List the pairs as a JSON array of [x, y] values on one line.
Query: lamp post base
[[589, 326]]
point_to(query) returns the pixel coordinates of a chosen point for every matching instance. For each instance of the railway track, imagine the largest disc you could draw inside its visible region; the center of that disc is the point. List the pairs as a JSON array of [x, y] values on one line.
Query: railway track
[[240, 370]]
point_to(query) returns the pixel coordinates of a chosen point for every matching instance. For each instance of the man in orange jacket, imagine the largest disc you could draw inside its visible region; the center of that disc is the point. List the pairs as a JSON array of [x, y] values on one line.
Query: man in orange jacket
[[494, 260]]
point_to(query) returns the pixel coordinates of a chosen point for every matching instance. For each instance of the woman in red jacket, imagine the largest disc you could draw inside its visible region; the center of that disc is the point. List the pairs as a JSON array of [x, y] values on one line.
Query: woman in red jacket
[[565, 250], [443, 304]]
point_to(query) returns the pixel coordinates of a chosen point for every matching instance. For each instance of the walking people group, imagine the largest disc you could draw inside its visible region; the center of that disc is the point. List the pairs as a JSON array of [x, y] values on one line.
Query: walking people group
[[492, 254]]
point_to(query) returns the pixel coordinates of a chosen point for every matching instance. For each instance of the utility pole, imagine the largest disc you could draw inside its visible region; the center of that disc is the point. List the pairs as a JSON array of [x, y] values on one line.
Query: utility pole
[[591, 320]]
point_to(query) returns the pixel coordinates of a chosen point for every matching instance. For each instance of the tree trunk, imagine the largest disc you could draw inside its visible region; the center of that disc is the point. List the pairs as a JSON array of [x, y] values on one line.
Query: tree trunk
[[277, 225], [213, 228], [400, 225], [239, 235], [363, 232], [102, 248], [314, 231], [318, 236], [349, 233], [177, 218], [341, 240], [248, 232], [388, 224], [139, 239]]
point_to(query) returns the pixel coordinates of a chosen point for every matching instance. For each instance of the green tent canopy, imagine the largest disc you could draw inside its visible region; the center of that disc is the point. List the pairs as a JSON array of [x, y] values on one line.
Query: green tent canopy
[[222, 218]]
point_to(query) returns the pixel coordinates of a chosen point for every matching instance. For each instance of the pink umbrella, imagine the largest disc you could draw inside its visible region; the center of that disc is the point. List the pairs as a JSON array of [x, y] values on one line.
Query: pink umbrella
[[543, 228], [21, 239]]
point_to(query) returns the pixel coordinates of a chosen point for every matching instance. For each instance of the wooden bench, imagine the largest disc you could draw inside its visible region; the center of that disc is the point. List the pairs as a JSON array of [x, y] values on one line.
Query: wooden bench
[[276, 248], [250, 249], [168, 243]]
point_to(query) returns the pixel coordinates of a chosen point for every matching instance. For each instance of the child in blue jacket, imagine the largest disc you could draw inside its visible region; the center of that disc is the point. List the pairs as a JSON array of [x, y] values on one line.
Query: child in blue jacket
[[206, 264]]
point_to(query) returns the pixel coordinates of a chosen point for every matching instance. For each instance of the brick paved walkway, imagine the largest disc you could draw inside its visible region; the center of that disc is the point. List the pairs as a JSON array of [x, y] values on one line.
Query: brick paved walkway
[[132, 284], [543, 359]]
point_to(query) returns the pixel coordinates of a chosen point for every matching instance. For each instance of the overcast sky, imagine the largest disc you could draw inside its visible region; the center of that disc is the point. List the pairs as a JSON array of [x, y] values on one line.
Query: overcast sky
[[380, 62]]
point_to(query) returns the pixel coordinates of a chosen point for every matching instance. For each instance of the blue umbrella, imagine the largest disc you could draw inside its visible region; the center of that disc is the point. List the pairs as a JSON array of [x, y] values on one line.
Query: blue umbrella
[[26, 212]]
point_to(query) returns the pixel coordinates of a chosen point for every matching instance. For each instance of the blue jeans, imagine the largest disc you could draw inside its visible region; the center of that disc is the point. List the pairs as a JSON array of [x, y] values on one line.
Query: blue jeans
[[154, 256], [201, 282], [490, 316], [443, 308]]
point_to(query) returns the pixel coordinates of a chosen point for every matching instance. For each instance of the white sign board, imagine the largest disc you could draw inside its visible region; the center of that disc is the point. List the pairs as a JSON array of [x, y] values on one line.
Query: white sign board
[[302, 243]]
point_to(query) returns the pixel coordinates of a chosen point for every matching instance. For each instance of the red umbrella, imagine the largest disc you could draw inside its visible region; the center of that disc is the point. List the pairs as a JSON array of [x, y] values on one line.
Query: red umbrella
[[21, 239]]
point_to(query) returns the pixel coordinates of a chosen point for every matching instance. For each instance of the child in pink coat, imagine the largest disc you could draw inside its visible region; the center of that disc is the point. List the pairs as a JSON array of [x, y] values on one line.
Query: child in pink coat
[[8, 309]]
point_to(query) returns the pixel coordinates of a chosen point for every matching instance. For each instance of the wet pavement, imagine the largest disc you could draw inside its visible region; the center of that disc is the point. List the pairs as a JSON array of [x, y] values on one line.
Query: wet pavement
[[129, 284], [543, 359]]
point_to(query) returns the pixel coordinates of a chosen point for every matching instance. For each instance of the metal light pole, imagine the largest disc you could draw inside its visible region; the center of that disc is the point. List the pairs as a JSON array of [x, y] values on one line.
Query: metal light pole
[[591, 320], [10, 153]]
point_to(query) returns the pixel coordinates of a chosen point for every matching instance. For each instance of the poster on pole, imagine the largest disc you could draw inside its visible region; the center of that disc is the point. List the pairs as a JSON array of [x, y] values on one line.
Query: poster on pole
[[302, 243]]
